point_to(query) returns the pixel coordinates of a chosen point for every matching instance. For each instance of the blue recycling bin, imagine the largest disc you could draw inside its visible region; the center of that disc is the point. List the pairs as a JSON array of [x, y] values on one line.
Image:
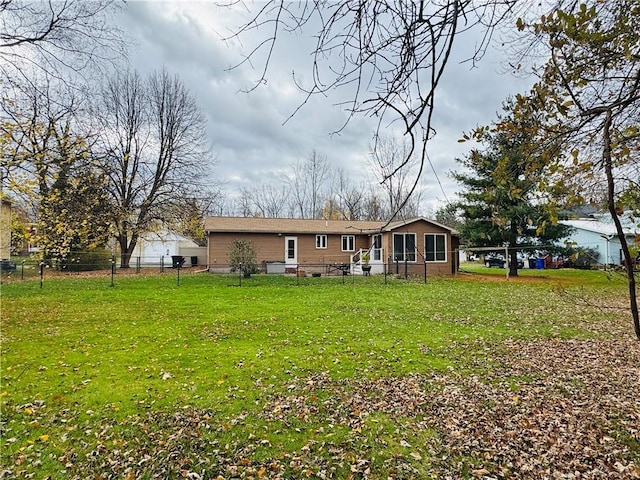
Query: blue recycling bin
[[539, 263]]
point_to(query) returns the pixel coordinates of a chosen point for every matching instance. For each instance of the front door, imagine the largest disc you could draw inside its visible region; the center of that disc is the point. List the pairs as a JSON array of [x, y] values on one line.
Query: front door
[[291, 251], [377, 248]]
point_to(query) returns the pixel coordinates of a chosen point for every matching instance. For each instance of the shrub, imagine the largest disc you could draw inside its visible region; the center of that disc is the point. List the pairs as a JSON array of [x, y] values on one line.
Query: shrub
[[243, 257], [581, 257], [94, 259]]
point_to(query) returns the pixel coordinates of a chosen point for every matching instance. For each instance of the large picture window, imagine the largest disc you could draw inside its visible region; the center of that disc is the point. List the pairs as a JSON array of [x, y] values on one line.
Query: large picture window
[[404, 247], [435, 246], [348, 243], [321, 241]]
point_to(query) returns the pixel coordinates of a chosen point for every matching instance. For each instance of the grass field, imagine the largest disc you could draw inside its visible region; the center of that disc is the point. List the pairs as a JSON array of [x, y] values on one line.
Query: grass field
[[464, 377]]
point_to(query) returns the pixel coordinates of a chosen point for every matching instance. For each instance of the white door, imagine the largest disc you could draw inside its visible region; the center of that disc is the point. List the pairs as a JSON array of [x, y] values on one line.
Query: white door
[[291, 251], [377, 248]]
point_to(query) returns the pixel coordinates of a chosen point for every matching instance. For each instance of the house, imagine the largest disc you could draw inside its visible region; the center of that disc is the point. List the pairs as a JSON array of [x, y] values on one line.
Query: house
[[600, 235], [159, 247], [285, 245]]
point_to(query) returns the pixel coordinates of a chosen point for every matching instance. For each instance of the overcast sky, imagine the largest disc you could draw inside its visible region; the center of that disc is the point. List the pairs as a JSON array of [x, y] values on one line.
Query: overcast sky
[[248, 130]]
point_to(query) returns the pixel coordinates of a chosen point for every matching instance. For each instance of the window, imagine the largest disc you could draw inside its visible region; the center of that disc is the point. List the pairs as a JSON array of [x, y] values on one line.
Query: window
[[404, 247], [291, 249], [348, 243], [435, 247], [321, 241]]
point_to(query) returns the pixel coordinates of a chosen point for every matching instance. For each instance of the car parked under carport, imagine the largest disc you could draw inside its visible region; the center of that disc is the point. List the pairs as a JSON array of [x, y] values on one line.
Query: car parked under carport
[[499, 262]]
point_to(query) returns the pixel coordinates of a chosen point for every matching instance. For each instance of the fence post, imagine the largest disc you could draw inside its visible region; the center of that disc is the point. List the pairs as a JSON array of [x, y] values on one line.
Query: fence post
[[162, 264], [113, 268], [179, 265], [22, 271], [138, 264], [41, 272]]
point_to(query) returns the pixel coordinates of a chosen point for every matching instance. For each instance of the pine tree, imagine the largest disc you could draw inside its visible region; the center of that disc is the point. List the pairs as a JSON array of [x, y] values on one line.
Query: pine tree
[[500, 201]]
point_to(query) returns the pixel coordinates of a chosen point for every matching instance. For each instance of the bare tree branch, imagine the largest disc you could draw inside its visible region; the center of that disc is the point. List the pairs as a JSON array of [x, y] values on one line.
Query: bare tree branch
[[389, 56]]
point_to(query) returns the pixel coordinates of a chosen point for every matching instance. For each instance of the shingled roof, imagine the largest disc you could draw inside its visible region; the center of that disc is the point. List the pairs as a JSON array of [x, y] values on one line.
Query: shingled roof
[[300, 226]]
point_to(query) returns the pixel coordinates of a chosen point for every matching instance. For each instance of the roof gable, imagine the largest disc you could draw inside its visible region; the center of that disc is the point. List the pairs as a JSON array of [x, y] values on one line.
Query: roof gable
[[401, 223]]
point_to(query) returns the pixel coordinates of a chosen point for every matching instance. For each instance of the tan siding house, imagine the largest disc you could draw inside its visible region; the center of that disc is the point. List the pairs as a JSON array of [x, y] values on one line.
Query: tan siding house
[[331, 246]]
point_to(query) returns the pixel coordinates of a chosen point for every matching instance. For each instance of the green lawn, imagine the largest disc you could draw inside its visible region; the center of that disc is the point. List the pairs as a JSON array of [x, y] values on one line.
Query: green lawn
[[284, 379]]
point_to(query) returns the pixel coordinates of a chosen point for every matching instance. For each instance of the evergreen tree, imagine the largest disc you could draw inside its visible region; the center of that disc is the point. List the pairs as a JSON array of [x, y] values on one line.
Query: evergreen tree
[[500, 202]]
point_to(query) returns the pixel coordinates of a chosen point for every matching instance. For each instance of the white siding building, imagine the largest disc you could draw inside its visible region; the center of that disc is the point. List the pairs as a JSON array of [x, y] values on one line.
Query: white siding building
[[154, 246], [601, 236]]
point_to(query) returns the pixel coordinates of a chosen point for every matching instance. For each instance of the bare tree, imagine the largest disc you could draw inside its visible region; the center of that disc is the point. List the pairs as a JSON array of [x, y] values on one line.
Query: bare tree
[[374, 206], [156, 151], [245, 203], [395, 170], [350, 197], [56, 37], [306, 184], [271, 201], [389, 56]]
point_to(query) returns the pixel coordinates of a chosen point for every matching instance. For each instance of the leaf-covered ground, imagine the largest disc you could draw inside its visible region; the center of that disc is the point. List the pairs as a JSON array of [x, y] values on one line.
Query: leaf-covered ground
[[561, 402], [543, 409]]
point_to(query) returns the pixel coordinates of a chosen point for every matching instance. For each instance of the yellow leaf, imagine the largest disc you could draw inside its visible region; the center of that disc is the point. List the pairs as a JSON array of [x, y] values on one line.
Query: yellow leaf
[[44, 438]]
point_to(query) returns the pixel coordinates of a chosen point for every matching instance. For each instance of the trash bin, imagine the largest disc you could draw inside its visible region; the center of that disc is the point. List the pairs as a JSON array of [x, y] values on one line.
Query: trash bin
[[539, 263], [532, 263], [177, 261], [194, 260], [8, 265]]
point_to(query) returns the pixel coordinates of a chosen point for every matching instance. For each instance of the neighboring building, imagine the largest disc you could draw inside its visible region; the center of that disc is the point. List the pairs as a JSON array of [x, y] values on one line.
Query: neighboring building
[[601, 236], [5, 228], [156, 247], [326, 246]]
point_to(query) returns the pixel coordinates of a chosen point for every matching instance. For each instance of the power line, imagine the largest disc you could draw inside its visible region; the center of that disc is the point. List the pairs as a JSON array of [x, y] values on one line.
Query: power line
[[437, 178]]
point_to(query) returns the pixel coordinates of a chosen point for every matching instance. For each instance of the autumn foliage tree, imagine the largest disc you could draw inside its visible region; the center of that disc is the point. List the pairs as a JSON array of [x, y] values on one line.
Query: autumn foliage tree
[[588, 99], [48, 163]]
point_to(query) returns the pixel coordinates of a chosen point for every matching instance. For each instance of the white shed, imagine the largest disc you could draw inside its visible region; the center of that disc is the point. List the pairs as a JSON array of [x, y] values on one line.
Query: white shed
[[156, 246]]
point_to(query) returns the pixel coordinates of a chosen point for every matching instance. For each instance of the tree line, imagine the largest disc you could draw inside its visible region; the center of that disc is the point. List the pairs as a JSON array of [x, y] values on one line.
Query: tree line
[[313, 188]]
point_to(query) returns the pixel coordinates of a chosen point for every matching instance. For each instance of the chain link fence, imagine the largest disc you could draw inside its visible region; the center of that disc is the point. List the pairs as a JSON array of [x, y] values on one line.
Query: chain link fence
[[110, 267]]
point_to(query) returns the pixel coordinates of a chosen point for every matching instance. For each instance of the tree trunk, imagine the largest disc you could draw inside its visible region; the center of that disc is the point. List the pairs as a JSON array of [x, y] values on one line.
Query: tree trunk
[[631, 280], [126, 249]]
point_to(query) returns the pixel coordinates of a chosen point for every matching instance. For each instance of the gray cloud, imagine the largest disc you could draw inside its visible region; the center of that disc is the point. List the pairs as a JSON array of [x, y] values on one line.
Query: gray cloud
[[248, 130]]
